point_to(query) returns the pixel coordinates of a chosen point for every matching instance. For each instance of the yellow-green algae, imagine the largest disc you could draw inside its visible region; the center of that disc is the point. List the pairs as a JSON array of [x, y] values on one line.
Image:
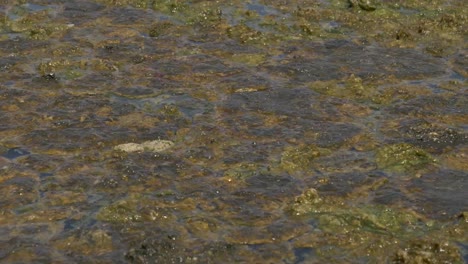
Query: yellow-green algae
[[141, 208], [351, 87], [241, 171], [402, 157], [34, 25], [120, 212]]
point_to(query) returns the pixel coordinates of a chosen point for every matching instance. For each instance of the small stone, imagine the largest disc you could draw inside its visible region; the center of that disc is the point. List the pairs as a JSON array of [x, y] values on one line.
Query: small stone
[[153, 146]]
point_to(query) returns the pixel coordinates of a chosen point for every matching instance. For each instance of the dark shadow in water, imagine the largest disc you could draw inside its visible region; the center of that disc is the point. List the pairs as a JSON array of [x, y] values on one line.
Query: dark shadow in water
[[14, 153], [303, 254]]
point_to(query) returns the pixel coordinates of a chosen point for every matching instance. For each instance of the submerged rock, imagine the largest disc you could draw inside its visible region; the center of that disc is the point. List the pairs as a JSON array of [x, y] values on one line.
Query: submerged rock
[[435, 137], [441, 193], [153, 146]]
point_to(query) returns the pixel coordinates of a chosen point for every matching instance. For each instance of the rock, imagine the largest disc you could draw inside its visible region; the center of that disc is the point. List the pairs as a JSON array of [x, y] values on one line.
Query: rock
[[365, 5], [153, 146]]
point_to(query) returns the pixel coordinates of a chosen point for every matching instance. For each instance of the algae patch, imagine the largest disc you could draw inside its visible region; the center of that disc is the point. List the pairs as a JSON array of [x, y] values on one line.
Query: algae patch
[[338, 216], [241, 171], [402, 157], [124, 211], [380, 232], [300, 158]]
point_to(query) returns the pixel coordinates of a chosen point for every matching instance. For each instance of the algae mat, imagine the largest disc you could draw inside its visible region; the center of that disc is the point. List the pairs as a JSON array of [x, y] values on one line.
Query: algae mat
[[328, 131]]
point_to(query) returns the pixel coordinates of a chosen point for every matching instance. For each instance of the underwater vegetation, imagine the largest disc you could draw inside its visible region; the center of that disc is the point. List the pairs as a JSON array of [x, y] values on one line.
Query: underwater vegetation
[[169, 131]]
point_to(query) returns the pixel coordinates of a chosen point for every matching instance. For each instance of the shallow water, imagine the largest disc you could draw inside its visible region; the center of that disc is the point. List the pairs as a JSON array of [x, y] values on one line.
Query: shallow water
[[306, 132]]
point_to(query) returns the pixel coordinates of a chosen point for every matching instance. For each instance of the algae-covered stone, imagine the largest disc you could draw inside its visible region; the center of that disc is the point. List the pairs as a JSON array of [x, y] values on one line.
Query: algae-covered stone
[[435, 137], [402, 157], [153, 146], [306, 202], [124, 211]]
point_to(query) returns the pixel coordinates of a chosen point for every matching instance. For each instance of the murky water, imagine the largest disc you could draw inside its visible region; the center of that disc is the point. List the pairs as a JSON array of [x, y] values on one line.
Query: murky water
[[262, 131]]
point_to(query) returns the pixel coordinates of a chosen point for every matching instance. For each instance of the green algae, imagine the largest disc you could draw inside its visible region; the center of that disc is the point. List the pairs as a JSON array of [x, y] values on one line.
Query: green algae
[[121, 212], [351, 87], [245, 34], [167, 6], [402, 157], [307, 202], [376, 230], [34, 25], [242, 171], [142, 206], [70, 69], [403, 24], [250, 59], [392, 24], [160, 29]]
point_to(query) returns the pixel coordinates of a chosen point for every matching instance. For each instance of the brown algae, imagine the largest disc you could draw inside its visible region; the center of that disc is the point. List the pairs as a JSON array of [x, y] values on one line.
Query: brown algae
[[223, 132]]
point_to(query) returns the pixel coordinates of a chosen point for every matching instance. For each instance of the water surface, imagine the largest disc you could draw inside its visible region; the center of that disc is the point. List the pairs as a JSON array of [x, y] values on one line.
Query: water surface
[[303, 132]]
